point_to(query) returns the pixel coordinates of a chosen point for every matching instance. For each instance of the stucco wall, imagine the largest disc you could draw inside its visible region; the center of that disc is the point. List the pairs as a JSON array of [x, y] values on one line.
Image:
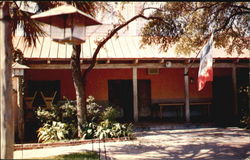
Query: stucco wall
[[169, 83], [67, 87]]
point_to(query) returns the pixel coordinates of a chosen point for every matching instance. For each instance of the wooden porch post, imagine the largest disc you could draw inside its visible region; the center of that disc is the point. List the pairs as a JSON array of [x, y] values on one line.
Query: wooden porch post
[[235, 98], [6, 109], [135, 94], [20, 116], [186, 86]]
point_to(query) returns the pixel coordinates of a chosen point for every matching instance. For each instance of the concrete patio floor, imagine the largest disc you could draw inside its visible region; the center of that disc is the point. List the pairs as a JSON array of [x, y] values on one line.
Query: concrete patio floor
[[191, 143]]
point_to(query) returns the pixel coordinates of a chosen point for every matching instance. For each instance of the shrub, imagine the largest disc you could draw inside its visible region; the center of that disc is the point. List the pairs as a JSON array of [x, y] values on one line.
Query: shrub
[[94, 110], [89, 130], [60, 122], [246, 120], [111, 114], [107, 129], [53, 132]]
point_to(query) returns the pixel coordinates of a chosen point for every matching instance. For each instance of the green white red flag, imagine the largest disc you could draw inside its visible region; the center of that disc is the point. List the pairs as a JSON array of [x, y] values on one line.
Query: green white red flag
[[206, 65]]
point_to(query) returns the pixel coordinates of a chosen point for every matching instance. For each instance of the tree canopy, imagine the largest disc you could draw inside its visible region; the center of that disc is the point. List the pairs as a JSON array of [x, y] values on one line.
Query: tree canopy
[[189, 25]]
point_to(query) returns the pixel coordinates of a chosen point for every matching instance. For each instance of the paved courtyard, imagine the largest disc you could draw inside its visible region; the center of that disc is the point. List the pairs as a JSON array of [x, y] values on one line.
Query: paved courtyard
[[199, 143]]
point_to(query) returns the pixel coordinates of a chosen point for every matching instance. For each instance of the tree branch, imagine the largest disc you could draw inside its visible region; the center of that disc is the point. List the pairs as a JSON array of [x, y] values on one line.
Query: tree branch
[[240, 7], [158, 9], [109, 36], [228, 20], [205, 7], [16, 4]]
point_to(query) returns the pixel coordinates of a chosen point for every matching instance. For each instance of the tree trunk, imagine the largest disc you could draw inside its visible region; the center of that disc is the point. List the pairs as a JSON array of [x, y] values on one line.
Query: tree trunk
[[79, 87], [6, 109]]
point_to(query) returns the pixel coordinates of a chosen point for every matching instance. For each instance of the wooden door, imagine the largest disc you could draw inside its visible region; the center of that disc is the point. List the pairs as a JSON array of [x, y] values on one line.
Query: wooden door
[[144, 98]]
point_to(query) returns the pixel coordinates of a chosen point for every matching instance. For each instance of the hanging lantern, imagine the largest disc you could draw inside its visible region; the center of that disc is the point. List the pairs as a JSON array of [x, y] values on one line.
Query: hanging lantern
[[18, 69], [68, 24]]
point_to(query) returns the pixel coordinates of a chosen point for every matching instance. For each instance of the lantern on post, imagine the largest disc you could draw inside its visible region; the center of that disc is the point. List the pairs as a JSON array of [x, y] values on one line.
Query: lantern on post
[[68, 24], [18, 74], [18, 69]]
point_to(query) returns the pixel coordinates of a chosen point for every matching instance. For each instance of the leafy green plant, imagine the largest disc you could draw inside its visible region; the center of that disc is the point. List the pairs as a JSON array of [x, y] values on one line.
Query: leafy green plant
[[94, 110], [111, 114], [89, 130], [54, 132], [80, 155], [58, 122], [108, 129], [246, 120], [104, 130], [122, 130]]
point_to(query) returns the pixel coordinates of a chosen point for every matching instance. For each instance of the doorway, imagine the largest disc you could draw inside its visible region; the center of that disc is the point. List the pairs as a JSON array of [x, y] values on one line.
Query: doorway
[[222, 109], [48, 88], [121, 97], [144, 99]]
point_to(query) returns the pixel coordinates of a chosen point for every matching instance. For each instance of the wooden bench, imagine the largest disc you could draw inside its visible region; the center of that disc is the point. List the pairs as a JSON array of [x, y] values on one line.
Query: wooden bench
[[207, 104], [179, 106]]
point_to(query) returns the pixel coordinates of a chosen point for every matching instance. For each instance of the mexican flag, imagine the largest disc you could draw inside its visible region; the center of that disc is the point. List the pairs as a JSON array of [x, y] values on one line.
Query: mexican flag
[[206, 65]]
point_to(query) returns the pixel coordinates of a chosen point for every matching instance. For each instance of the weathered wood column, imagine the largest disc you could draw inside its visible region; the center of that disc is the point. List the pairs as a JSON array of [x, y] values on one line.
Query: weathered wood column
[[135, 94], [6, 109], [186, 91], [20, 115], [235, 98]]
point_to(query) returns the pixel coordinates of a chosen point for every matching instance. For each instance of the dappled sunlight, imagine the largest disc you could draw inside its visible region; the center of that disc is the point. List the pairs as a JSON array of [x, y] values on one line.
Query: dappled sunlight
[[200, 143], [207, 143]]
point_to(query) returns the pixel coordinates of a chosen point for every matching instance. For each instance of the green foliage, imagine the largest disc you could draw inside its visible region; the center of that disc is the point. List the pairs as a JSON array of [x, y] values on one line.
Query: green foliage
[[81, 155], [53, 132], [94, 110], [89, 130], [246, 120], [59, 122], [102, 122], [243, 99], [111, 114], [189, 25], [107, 129]]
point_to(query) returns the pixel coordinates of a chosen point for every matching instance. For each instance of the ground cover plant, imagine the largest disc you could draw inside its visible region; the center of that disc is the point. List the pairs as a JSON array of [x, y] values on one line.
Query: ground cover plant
[[81, 155], [59, 122]]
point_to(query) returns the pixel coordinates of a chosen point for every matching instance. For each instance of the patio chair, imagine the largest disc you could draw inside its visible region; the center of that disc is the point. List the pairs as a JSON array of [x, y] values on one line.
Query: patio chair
[[48, 100], [30, 100]]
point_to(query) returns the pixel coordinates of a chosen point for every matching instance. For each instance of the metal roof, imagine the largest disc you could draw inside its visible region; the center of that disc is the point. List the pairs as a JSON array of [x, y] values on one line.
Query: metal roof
[[123, 47]]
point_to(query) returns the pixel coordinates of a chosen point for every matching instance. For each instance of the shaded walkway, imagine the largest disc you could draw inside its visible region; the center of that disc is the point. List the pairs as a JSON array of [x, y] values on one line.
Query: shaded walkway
[[200, 143]]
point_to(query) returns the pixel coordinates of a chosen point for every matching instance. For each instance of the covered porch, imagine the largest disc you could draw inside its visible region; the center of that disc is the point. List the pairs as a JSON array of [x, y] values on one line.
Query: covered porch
[[145, 85]]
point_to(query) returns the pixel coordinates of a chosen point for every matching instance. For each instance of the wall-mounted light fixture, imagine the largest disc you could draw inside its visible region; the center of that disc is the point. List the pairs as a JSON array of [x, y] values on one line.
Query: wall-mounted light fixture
[[168, 64], [191, 80]]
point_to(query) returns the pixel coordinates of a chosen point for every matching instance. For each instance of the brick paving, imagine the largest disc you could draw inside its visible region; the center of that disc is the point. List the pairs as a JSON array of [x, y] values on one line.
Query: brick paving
[[198, 143]]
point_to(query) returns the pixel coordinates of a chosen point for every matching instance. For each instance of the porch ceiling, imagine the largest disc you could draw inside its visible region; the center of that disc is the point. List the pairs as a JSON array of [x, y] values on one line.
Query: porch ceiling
[[121, 48]]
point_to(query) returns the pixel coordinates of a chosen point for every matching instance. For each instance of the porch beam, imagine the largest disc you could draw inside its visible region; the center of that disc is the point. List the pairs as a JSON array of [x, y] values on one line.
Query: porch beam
[[139, 65], [186, 91], [135, 94]]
